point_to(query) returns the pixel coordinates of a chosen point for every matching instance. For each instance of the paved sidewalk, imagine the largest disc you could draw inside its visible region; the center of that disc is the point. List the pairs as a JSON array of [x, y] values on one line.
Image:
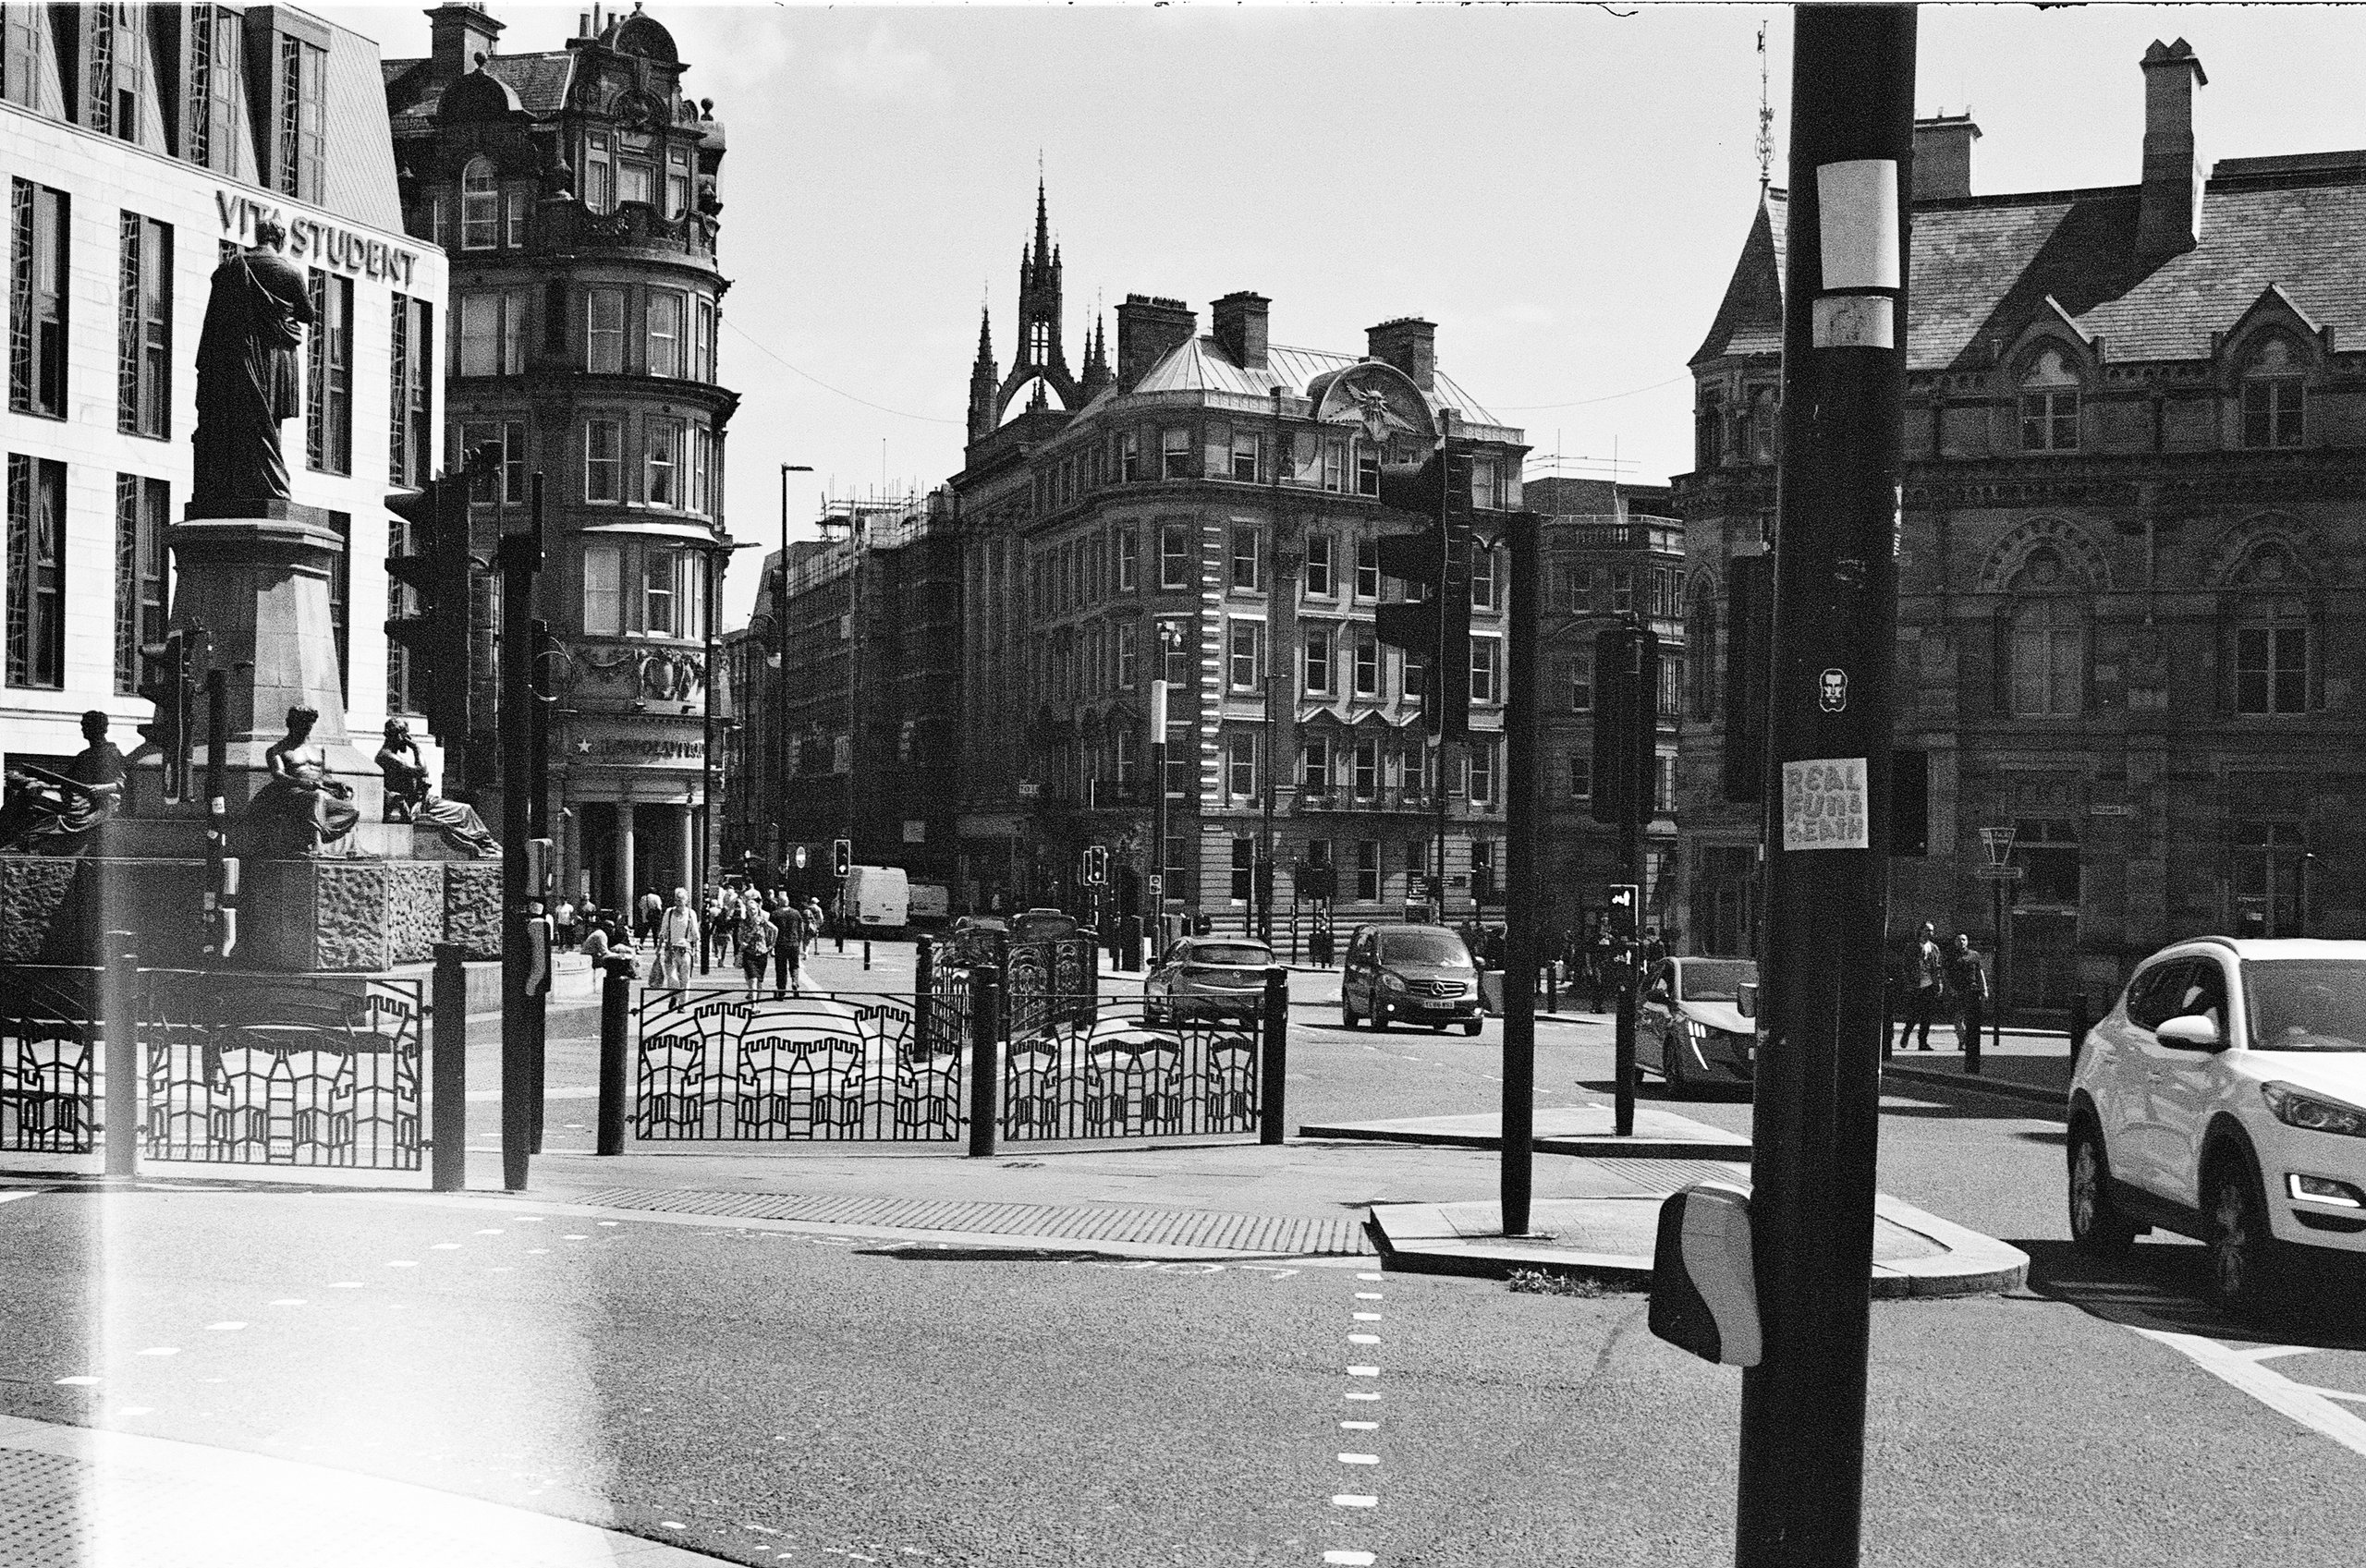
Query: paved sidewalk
[[75, 1496], [1572, 1130]]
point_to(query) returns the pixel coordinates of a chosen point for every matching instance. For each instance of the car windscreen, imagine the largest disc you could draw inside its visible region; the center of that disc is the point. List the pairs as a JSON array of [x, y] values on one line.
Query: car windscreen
[[1714, 979], [1231, 953], [1440, 948], [2305, 1003]]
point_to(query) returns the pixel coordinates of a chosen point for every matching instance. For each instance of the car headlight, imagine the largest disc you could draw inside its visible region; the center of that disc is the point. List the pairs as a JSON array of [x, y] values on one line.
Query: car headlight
[[2296, 1108], [1392, 984]]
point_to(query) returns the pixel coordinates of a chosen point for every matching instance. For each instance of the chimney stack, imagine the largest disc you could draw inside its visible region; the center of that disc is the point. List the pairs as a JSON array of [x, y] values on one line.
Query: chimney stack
[[1943, 156], [2168, 210], [1409, 343], [1149, 329], [456, 35], [1239, 327]]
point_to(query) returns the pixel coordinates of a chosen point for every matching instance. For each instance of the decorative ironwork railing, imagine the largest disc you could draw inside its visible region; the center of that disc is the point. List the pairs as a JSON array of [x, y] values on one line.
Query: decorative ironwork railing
[[1099, 1071], [855, 1066], [49, 1079], [1050, 980]]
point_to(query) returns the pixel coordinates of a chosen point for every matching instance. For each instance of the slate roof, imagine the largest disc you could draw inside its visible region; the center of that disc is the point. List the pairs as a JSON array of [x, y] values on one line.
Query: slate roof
[[540, 83], [1984, 266]]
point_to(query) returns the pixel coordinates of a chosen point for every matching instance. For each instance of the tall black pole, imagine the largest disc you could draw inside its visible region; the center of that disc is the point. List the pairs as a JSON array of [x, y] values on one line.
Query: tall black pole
[[1158, 696], [1641, 690], [1835, 608], [1526, 853], [519, 557], [713, 565]]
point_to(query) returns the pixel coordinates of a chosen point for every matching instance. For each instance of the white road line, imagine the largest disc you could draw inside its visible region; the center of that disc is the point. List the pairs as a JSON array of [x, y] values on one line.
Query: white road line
[[2335, 1394], [12, 1197], [1363, 1339], [2271, 1389], [75, 1382], [1366, 1396], [1367, 1295], [1360, 1459], [224, 1328], [2269, 1352], [1363, 1371], [1350, 1558], [1367, 1277], [1367, 1316], [1360, 1426]]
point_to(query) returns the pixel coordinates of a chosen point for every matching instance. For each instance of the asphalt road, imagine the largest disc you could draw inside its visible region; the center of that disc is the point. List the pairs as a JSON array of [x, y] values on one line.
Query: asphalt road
[[771, 1394]]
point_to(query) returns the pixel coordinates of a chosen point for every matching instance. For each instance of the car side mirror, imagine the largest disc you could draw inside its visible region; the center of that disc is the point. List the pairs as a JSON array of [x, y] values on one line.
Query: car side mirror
[[1746, 999], [2194, 1031]]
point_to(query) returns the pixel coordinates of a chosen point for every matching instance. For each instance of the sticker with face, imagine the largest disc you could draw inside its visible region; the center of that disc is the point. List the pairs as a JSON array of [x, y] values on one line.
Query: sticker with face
[[1831, 691]]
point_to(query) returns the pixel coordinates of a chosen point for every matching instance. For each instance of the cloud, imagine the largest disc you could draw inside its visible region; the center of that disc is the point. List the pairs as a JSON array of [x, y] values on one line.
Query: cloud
[[884, 66]]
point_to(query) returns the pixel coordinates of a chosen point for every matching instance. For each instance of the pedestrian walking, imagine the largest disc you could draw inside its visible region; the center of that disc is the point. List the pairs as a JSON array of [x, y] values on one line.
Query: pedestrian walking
[[756, 937], [790, 937], [1967, 985], [650, 909], [812, 922], [563, 923], [1598, 969], [678, 934], [1930, 981], [595, 944]]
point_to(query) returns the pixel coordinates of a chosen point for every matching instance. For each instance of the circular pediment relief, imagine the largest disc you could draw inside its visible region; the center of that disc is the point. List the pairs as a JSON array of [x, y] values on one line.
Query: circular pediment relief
[[1379, 397]]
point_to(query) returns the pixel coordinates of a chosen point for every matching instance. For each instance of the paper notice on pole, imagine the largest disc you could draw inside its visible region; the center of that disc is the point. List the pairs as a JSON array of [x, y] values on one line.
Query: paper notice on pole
[[1825, 805]]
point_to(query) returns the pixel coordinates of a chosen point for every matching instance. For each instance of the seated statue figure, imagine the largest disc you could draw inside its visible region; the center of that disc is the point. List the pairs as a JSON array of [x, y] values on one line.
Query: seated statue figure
[[303, 807], [52, 814], [409, 793]]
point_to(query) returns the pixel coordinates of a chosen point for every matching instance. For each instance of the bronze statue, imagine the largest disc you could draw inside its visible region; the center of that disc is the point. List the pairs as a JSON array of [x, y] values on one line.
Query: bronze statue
[[301, 800], [61, 808], [247, 383], [411, 797]]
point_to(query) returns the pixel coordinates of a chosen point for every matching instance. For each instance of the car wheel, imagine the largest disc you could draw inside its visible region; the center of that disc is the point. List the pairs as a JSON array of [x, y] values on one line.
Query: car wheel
[[2097, 1227], [1470, 1026], [2243, 1272]]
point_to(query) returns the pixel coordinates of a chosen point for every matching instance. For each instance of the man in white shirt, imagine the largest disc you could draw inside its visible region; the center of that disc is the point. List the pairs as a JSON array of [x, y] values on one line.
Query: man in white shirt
[[678, 933]]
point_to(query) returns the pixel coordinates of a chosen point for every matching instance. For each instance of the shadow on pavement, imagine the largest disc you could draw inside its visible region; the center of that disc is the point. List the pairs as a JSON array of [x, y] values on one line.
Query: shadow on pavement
[[2161, 1285]]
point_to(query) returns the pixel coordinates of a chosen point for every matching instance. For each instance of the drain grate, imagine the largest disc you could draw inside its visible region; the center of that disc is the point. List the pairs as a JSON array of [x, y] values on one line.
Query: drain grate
[[1147, 1227]]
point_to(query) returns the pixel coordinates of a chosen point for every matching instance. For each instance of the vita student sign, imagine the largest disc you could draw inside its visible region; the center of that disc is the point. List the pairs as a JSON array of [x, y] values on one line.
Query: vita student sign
[[316, 243]]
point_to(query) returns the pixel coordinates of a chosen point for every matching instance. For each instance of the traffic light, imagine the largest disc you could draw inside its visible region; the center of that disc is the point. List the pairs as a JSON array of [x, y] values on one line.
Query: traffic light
[[1626, 722], [435, 628], [1096, 865], [841, 857], [166, 680], [1750, 645], [1436, 626], [1625, 898]]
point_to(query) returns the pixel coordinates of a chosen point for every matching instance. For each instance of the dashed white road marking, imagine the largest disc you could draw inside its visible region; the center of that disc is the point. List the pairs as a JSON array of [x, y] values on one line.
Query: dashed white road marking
[[1360, 1459], [446, 1246], [1349, 1499], [75, 1382], [1363, 1371], [1363, 1339], [1350, 1558], [402, 1263], [224, 1328], [1366, 1316], [1360, 1426], [2303, 1404], [1367, 1396], [493, 1233]]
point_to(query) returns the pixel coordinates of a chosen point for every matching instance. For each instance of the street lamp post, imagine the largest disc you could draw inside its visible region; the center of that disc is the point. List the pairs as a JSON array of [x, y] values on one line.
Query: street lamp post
[[780, 674]]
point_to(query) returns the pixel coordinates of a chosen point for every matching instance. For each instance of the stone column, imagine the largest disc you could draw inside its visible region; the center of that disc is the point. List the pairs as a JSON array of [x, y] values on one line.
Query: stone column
[[625, 892]]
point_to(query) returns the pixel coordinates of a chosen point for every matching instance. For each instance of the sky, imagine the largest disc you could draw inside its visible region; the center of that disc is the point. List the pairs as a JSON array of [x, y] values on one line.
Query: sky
[[1563, 190]]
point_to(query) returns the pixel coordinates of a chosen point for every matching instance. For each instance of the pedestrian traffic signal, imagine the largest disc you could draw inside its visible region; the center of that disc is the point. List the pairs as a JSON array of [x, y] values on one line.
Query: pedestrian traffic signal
[[841, 857], [1626, 722], [1432, 622], [431, 566], [167, 680], [1625, 898]]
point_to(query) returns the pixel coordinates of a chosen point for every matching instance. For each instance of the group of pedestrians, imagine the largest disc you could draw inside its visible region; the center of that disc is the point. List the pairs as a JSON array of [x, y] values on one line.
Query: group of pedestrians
[[762, 931], [775, 933], [1936, 982]]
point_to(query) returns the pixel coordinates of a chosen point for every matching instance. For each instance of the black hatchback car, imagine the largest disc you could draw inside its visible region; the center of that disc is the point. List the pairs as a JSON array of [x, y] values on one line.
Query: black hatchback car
[[1409, 974]]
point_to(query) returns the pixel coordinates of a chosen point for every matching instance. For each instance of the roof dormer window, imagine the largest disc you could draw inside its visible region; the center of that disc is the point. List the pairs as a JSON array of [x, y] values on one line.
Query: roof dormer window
[[479, 206], [2274, 397], [2049, 406]]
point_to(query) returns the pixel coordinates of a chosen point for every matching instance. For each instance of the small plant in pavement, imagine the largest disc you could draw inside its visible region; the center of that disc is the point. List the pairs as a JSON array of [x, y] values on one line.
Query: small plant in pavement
[[1536, 1281]]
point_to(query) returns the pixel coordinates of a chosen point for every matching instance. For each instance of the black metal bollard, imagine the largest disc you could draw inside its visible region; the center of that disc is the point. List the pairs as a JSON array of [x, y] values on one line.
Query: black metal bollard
[[866, 955], [1552, 988], [1274, 1059], [2079, 1026], [615, 1010], [985, 1061], [119, 1018], [923, 1043], [448, 1071]]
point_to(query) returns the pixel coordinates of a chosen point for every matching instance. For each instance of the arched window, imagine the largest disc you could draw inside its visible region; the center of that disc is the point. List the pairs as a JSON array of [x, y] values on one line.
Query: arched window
[[2049, 406], [2274, 636], [479, 206], [2044, 637], [1709, 433], [2274, 396]]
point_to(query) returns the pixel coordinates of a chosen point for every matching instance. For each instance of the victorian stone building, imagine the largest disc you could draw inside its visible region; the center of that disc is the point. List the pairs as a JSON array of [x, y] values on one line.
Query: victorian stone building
[[2134, 529], [575, 190], [1204, 507]]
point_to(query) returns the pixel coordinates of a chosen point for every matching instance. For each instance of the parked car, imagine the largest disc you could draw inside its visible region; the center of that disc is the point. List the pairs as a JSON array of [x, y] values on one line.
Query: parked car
[[1039, 925], [2224, 1098], [1207, 977], [1690, 1028], [1408, 974]]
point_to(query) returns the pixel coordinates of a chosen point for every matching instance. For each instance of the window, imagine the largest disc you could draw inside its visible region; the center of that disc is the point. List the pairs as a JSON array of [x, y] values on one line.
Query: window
[[1622, 590], [328, 375], [507, 439], [1368, 870], [1367, 470], [1335, 463], [1175, 555], [662, 597], [1479, 772], [661, 462], [142, 511], [1765, 423], [1581, 590], [1416, 678], [341, 602], [1244, 559], [1129, 456], [410, 408], [36, 566], [1367, 769], [1318, 662], [1581, 681], [603, 331], [2272, 663], [1126, 632], [144, 328], [1241, 766], [1368, 569], [1248, 456], [664, 333], [702, 342], [1314, 765], [1317, 579], [1709, 431], [1175, 453], [1367, 666], [677, 182], [2266, 880], [1129, 551], [2047, 850], [2048, 657], [1246, 655], [599, 184], [492, 330], [603, 460], [37, 273], [1701, 645], [479, 206], [513, 207], [705, 477], [1486, 660], [1671, 682], [603, 590], [2049, 406], [1483, 484], [1125, 755], [1580, 777], [1482, 578], [633, 180], [1180, 654], [2272, 399], [1244, 870], [295, 168], [1664, 790]]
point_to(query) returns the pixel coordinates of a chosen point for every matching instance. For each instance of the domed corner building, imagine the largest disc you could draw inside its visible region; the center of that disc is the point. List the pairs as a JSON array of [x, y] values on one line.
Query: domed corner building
[[574, 190]]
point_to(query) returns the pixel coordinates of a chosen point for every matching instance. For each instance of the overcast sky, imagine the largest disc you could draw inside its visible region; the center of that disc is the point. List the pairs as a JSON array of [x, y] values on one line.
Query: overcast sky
[[1562, 188]]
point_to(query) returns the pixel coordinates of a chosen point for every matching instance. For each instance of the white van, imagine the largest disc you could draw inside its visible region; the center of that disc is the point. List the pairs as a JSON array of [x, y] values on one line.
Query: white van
[[877, 896]]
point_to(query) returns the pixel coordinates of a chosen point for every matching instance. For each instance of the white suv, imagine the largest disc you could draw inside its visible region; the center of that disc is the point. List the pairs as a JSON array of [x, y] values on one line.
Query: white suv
[[2224, 1098]]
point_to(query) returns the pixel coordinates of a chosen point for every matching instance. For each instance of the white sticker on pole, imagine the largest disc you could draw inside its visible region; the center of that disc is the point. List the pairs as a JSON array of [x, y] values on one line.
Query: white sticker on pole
[[1857, 202], [1825, 805]]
